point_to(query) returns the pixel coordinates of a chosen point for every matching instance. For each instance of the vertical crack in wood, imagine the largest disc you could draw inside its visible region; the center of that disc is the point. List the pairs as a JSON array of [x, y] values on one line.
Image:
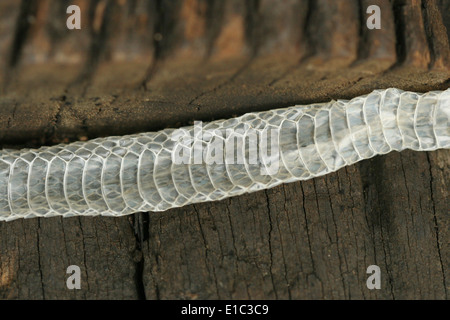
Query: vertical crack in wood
[[333, 218], [285, 269], [98, 41], [436, 226], [25, 20], [270, 243], [38, 246], [253, 26], [140, 225], [207, 254], [371, 178], [164, 36], [84, 252], [214, 22], [399, 32]]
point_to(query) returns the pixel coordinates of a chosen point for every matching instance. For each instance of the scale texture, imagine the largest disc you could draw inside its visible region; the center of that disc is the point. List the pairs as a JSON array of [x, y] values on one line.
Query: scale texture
[[171, 168]]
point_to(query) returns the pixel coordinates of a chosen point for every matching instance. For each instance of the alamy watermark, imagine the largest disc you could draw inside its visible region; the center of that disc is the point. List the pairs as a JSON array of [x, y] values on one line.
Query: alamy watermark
[[74, 20], [374, 21], [74, 280], [228, 146], [374, 280]]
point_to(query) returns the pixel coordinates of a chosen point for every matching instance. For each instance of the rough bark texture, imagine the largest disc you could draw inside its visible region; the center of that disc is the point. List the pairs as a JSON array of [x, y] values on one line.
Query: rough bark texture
[[146, 65]]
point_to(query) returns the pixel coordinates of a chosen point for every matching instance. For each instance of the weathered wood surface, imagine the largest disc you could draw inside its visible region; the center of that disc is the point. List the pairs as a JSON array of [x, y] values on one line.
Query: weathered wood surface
[[146, 65]]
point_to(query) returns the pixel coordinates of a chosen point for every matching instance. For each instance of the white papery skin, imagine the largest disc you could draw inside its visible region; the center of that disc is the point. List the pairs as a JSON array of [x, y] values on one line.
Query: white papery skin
[[116, 176]]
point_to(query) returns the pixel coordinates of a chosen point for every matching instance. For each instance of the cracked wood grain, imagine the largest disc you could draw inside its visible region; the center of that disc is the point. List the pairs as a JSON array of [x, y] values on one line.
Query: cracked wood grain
[[307, 239]]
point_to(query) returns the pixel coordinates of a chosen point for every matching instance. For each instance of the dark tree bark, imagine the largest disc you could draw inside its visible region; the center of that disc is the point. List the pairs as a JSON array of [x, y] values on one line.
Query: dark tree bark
[[146, 65]]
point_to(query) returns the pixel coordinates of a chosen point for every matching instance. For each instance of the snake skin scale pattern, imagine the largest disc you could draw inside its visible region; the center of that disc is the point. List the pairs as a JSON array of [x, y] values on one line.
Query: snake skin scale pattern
[[116, 176]]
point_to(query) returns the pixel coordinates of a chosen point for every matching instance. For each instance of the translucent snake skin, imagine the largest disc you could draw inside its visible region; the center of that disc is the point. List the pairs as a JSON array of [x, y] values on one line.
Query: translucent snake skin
[[116, 176]]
